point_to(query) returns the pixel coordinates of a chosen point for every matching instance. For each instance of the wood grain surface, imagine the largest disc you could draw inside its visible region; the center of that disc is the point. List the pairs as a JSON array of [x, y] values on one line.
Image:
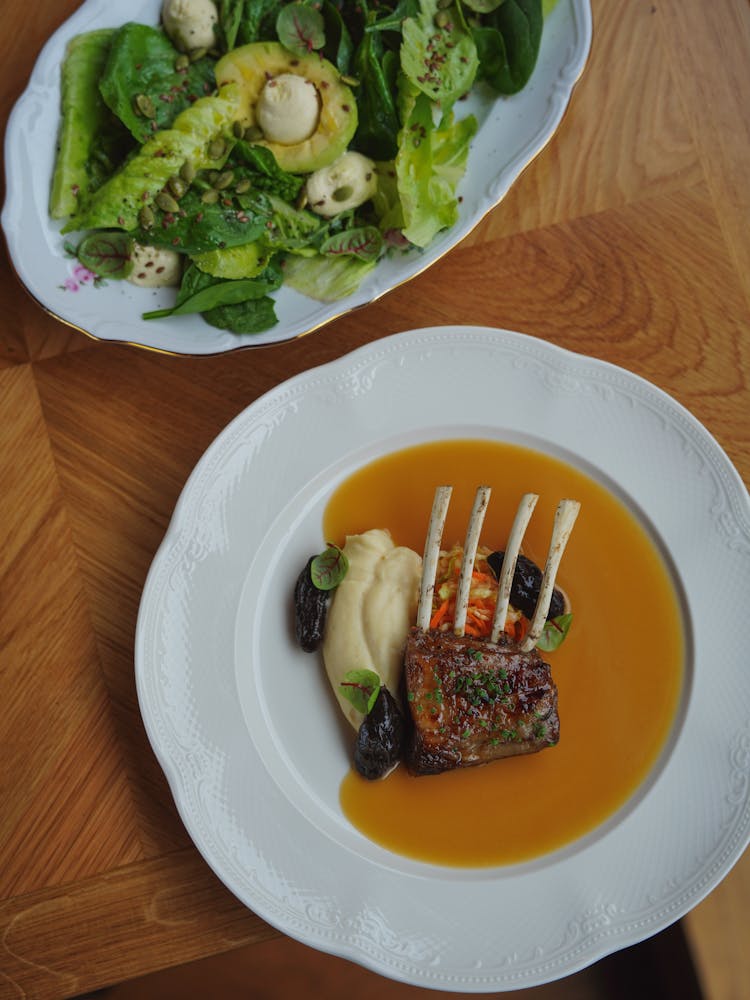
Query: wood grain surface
[[627, 238]]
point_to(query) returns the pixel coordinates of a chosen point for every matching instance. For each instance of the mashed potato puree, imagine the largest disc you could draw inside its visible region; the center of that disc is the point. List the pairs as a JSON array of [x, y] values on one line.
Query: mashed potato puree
[[371, 613]]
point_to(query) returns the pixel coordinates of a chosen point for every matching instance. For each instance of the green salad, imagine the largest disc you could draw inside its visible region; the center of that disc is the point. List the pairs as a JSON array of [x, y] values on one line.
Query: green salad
[[245, 144]]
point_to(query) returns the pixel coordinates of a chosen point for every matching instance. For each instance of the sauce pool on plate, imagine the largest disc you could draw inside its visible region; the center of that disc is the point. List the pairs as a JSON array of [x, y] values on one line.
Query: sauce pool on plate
[[619, 672]]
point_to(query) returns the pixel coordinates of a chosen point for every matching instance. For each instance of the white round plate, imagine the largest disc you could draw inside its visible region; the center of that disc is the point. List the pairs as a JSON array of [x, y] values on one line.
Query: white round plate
[[512, 131], [243, 726]]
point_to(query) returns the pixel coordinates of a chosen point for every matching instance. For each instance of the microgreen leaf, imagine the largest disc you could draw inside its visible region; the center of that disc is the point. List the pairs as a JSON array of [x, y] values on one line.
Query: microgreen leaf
[[554, 632], [364, 242], [328, 569], [300, 28], [107, 254], [361, 688]]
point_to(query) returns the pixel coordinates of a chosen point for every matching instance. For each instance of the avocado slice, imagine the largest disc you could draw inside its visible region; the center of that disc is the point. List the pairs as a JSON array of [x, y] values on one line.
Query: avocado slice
[[192, 137], [83, 116], [251, 67]]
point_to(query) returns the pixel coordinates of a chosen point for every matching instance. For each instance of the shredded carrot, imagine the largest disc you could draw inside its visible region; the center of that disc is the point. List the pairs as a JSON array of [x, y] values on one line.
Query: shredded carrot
[[439, 614]]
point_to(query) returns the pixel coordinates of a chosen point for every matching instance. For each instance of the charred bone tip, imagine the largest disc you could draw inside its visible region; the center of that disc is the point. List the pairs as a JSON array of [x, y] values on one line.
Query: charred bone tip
[[473, 530], [512, 549], [431, 555], [565, 518]]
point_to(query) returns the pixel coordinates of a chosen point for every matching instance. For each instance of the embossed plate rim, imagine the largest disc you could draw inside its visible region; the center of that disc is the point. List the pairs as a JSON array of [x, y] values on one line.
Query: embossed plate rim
[[627, 883]]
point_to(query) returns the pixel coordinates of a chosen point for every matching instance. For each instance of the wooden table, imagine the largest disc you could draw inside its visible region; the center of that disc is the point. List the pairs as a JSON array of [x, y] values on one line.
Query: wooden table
[[627, 239]]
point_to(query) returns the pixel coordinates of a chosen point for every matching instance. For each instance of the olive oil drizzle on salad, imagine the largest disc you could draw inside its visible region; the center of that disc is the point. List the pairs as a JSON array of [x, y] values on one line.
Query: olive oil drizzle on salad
[[160, 147]]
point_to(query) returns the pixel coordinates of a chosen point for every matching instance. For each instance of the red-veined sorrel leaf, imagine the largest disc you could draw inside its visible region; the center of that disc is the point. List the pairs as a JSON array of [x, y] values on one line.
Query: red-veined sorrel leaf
[[365, 243], [300, 28], [361, 688], [328, 569], [107, 254]]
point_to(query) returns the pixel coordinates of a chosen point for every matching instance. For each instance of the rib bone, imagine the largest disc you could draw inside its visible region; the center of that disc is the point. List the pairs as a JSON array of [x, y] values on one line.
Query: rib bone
[[431, 555], [505, 580], [565, 516], [473, 530]]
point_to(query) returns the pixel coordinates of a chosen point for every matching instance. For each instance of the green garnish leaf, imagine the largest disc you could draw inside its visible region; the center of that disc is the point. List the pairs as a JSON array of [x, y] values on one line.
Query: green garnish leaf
[[554, 632], [300, 28], [361, 688], [107, 254], [364, 242], [328, 569]]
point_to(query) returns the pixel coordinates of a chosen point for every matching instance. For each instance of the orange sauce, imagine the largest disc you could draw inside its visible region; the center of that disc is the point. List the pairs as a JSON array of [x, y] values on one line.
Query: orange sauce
[[619, 672]]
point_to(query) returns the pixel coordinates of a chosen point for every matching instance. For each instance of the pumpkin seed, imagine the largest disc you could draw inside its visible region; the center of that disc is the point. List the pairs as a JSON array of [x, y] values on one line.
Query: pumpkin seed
[[343, 193], [210, 197], [253, 133], [181, 63], [217, 148], [301, 200], [243, 186], [196, 54], [238, 130], [224, 180], [166, 202], [350, 81], [146, 217], [144, 106], [187, 172], [177, 186], [442, 19]]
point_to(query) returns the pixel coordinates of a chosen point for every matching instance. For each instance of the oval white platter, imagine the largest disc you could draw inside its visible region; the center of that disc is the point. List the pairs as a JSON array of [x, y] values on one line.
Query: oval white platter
[[242, 725], [512, 131]]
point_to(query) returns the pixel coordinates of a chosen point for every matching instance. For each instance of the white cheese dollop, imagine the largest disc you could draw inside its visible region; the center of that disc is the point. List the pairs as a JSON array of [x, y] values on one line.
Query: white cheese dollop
[[154, 267], [190, 23], [371, 612], [347, 183], [288, 109]]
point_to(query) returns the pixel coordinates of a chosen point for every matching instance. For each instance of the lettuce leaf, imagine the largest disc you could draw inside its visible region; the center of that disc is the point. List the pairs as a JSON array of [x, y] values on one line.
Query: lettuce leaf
[[117, 203], [441, 61], [326, 278], [429, 164], [90, 138]]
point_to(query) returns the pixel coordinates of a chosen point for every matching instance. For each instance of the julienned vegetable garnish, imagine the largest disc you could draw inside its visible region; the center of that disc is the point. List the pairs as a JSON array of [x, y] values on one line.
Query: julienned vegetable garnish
[[301, 144]]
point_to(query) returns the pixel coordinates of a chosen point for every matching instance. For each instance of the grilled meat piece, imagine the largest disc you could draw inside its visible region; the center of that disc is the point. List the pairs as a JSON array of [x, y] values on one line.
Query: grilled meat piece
[[472, 701]]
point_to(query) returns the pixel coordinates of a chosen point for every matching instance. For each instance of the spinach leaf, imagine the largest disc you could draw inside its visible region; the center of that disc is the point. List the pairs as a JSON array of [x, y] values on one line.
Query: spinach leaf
[[200, 292], [392, 21], [142, 85], [252, 316], [230, 18], [379, 123], [199, 227], [264, 173], [339, 47], [258, 22], [507, 41]]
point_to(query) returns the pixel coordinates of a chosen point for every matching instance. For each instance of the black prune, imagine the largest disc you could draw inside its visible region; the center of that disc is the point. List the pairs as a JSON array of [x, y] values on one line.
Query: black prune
[[310, 609], [381, 738], [527, 580]]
